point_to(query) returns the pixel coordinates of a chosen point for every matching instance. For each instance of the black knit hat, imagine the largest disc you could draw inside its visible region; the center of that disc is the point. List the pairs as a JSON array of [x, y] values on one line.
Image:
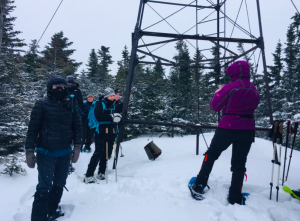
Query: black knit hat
[[117, 91], [71, 79], [56, 80]]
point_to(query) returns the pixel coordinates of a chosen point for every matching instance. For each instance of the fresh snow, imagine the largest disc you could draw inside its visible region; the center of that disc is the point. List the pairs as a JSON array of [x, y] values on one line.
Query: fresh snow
[[157, 190]]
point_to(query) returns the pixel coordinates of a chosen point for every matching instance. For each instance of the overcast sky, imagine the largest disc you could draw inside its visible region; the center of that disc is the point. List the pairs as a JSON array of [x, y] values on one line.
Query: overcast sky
[[92, 23]]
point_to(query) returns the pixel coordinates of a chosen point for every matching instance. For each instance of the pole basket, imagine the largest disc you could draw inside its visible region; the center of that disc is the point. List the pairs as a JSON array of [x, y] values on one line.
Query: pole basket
[[152, 151]]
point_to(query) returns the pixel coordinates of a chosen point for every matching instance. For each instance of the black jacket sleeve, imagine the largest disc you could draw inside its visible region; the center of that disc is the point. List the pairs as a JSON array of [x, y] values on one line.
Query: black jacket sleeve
[[34, 125], [80, 100], [77, 128], [100, 116]]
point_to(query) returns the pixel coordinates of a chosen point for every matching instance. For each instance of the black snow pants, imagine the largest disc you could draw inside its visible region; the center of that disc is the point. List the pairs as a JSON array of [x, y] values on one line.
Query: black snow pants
[[88, 135], [53, 173], [241, 141], [99, 155]]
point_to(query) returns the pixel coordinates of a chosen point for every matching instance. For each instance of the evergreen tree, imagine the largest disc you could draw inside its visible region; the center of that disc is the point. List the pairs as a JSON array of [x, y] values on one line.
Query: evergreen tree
[[57, 56], [105, 59], [93, 66], [151, 93], [123, 68], [296, 76], [290, 59], [87, 85], [13, 111], [181, 79], [32, 59], [11, 46], [275, 79], [196, 88]]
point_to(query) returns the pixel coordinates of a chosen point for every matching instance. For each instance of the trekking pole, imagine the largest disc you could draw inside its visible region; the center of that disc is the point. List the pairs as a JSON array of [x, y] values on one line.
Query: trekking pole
[[204, 139], [115, 153], [293, 144], [288, 131], [274, 153], [201, 131], [115, 158], [106, 172], [279, 158], [121, 151]]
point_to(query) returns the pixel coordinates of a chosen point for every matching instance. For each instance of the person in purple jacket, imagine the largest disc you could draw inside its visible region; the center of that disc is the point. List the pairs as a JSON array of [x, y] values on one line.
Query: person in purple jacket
[[238, 101]]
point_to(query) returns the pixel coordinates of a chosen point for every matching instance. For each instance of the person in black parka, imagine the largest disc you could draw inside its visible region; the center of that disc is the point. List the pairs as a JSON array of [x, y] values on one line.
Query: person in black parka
[[118, 103], [105, 113], [52, 129], [88, 133], [73, 88]]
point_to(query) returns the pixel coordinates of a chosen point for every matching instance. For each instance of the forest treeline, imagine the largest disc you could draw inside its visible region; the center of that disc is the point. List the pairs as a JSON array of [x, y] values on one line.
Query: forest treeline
[[156, 94]]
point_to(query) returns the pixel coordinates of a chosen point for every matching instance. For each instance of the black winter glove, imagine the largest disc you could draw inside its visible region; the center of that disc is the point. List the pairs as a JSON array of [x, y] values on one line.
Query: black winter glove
[[30, 158], [76, 153]]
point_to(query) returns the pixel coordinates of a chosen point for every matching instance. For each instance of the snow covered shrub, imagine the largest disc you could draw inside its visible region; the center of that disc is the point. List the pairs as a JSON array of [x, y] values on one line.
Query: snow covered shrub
[[12, 164]]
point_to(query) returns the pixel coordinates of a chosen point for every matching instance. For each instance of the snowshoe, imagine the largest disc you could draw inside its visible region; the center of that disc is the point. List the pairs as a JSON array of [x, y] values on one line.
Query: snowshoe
[[196, 190], [294, 193], [100, 176], [238, 199], [246, 194], [90, 179], [57, 214], [86, 150]]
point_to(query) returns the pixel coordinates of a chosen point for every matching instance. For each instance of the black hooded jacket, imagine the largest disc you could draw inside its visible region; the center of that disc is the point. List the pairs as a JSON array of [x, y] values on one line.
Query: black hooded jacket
[[74, 89], [52, 124], [106, 131]]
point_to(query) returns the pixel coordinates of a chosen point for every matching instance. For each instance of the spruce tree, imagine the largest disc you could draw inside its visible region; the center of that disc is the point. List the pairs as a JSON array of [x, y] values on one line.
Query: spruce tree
[[93, 66], [57, 56], [32, 60], [123, 68], [290, 60], [13, 111], [296, 76], [105, 59], [10, 59], [275, 79], [181, 79]]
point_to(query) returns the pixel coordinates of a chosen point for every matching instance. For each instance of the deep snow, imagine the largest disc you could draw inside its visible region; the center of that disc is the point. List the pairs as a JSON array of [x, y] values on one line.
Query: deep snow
[[157, 190]]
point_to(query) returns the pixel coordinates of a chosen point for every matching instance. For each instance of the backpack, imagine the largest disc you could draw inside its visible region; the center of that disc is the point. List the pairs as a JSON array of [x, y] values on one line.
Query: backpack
[[72, 104], [93, 123]]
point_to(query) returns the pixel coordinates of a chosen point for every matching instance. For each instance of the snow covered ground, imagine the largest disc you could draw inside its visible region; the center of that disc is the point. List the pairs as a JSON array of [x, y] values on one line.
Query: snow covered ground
[[157, 190]]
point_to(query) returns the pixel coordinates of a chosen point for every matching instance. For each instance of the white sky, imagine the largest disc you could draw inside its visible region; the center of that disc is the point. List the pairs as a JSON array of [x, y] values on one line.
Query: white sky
[[92, 23]]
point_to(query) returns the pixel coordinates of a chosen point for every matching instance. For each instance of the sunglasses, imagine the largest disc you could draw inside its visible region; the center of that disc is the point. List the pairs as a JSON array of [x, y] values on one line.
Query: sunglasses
[[58, 86]]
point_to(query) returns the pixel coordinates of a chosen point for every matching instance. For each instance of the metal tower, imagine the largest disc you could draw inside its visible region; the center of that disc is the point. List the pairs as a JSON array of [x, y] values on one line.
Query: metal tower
[[148, 42]]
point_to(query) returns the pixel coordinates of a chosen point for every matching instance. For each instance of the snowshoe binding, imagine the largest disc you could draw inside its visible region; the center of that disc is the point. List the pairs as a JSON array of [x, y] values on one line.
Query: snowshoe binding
[[89, 180], [197, 191], [56, 215], [100, 176]]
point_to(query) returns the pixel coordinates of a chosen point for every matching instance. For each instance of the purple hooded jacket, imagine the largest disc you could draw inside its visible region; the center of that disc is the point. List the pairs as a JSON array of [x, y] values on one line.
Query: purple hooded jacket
[[237, 100]]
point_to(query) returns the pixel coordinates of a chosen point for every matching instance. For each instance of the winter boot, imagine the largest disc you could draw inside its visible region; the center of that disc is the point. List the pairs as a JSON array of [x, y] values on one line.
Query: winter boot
[[90, 179], [236, 198], [100, 176], [197, 190], [58, 213], [40, 206], [54, 197]]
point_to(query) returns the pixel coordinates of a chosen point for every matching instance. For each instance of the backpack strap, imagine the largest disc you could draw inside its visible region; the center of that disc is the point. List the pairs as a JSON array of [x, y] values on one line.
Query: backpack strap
[[111, 109]]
